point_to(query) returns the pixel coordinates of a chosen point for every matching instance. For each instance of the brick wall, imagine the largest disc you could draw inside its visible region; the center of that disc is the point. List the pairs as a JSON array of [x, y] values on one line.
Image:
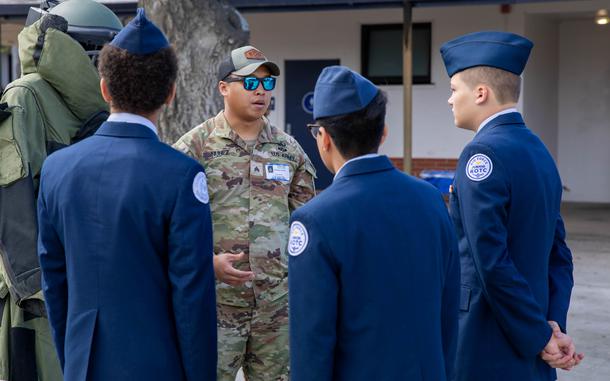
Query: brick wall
[[421, 164]]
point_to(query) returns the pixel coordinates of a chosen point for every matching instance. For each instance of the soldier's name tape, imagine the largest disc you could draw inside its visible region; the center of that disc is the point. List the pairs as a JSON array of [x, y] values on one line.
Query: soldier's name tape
[[226, 152], [200, 188], [479, 167], [299, 237]]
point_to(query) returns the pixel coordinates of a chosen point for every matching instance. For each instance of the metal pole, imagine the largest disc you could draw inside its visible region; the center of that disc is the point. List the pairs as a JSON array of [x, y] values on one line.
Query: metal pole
[[407, 80]]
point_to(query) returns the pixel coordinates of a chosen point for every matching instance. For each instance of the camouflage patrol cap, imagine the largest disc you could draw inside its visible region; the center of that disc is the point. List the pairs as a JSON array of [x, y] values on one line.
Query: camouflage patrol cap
[[244, 61]]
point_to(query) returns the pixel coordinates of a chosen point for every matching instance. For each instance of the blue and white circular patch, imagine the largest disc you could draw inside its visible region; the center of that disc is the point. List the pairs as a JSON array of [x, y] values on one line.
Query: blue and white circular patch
[[200, 188], [298, 238], [479, 167], [307, 102]]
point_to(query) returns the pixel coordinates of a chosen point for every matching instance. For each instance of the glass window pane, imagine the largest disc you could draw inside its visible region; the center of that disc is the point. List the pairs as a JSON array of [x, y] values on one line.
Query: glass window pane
[[385, 53], [382, 53], [421, 52]]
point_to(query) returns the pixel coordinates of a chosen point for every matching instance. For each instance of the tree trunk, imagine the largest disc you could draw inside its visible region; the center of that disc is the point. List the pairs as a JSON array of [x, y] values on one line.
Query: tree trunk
[[203, 33]]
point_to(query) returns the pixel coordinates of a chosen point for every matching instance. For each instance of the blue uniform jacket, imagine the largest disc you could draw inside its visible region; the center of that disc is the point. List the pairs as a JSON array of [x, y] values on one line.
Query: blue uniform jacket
[[374, 295], [516, 267], [126, 254]]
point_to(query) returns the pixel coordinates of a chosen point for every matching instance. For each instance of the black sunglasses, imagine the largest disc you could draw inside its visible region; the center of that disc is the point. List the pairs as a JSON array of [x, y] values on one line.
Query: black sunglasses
[[314, 129], [251, 82]]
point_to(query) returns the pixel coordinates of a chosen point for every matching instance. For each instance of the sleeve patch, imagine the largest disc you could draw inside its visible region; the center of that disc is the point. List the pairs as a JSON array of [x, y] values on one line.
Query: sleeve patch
[[479, 167], [200, 188], [299, 237]]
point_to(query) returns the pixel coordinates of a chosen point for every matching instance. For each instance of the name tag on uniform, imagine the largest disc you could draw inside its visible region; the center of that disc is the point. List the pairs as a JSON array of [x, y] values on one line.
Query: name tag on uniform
[[279, 172]]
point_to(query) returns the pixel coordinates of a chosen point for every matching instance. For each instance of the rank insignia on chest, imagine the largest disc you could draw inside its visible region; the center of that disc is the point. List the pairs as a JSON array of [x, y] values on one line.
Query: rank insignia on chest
[[256, 168]]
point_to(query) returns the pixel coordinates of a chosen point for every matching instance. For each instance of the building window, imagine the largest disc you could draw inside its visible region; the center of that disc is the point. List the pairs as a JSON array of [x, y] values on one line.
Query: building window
[[382, 53]]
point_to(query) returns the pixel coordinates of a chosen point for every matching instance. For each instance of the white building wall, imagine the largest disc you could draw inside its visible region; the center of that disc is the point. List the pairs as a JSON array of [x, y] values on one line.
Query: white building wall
[[336, 34], [584, 110], [541, 85], [566, 59]]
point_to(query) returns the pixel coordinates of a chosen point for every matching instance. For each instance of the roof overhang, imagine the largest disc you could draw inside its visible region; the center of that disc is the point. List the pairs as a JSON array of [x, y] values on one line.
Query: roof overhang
[[19, 8], [320, 5], [12, 9]]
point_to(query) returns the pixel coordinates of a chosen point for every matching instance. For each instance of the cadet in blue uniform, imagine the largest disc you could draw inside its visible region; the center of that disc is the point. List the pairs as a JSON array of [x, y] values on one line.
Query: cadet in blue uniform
[[125, 240], [516, 267], [373, 266]]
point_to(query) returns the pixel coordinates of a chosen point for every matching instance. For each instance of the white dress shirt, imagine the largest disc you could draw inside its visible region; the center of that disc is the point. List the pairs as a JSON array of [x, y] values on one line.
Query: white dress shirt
[[507, 111], [354, 159], [126, 117]]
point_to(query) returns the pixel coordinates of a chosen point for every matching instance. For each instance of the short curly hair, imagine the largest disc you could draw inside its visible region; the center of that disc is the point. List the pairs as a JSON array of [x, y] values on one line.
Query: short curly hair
[[138, 84]]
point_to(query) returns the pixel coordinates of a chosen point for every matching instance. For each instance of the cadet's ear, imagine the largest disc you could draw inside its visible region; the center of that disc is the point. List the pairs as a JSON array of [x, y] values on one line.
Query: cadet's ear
[[482, 94], [105, 91], [326, 139], [384, 135], [172, 95]]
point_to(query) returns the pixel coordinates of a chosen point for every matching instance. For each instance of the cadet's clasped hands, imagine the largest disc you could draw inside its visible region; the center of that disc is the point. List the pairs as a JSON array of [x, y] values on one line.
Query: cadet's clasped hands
[[560, 351]]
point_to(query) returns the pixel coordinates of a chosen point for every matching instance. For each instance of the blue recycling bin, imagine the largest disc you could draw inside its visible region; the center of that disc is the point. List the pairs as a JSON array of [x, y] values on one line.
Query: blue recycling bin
[[440, 179]]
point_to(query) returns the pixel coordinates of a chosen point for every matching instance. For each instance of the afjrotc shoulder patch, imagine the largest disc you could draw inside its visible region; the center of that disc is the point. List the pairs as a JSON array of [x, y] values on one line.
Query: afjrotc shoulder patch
[[254, 54], [298, 240], [479, 167], [200, 188]]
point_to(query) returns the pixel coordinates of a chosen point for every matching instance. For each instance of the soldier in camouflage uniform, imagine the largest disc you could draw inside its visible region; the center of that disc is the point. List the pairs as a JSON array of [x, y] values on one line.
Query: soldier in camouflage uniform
[[257, 175]]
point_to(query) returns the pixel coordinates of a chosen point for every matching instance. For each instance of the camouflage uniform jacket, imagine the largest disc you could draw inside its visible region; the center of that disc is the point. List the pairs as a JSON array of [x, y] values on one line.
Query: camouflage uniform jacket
[[251, 196]]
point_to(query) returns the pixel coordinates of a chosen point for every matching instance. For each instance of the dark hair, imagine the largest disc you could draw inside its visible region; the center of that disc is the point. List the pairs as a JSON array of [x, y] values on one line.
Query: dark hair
[[138, 84], [358, 133]]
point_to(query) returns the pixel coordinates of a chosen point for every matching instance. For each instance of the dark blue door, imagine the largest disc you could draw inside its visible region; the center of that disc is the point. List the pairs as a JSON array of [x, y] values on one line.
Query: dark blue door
[[301, 76]]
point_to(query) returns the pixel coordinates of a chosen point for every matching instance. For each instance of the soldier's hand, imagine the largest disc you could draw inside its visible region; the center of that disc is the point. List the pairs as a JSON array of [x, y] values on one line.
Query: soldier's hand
[[225, 272]]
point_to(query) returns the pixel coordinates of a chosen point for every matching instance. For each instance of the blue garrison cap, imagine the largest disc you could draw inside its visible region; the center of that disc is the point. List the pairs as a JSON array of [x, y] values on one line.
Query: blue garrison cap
[[140, 36], [502, 50], [340, 91]]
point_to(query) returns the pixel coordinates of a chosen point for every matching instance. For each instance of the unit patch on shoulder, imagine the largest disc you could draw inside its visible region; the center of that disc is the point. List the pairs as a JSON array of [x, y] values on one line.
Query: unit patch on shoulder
[[479, 167], [200, 188], [298, 238], [254, 54]]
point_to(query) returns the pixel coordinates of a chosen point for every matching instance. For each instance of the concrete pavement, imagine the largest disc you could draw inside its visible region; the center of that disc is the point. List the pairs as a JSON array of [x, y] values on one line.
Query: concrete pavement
[[588, 228]]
